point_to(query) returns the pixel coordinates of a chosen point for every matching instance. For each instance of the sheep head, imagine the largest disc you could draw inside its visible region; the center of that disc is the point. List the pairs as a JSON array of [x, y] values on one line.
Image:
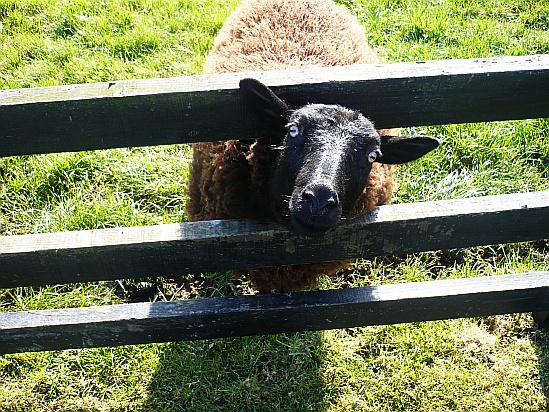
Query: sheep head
[[325, 155]]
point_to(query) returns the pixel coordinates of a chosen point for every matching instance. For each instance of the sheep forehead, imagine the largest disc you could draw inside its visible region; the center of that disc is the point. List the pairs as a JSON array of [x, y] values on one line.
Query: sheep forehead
[[325, 118], [319, 112]]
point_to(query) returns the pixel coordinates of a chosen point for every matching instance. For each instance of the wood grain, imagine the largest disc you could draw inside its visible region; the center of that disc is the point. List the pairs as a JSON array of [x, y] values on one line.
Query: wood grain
[[197, 247], [276, 313], [200, 108]]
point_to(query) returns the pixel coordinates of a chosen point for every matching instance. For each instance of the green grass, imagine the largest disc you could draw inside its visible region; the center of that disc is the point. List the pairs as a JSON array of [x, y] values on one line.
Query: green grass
[[90, 190], [48, 43], [496, 363], [406, 30]]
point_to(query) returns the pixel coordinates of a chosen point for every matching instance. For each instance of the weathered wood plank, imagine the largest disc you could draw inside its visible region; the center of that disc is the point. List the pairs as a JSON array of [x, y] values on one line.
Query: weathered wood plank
[[276, 313], [199, 108], [541, 319], [219, 245]]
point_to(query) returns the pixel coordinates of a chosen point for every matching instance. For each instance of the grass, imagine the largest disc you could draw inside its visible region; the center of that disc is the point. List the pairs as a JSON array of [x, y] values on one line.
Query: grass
[[89, 190], [48, 43], [496, 363]]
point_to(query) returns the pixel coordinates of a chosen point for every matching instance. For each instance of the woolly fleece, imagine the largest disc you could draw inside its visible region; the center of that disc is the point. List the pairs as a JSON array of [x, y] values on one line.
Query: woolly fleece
[[230, 179]]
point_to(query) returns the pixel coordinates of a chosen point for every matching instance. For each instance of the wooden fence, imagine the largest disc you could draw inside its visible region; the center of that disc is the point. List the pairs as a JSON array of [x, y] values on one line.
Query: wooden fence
[[202, 108]]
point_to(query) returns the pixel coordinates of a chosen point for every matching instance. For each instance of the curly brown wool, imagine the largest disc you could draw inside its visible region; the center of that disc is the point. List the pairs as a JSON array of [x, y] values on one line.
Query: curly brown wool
[[230, 179]]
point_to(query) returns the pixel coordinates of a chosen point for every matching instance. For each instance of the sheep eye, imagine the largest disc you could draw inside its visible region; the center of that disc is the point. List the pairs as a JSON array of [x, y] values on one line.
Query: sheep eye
[[372, 156], [293, 130]]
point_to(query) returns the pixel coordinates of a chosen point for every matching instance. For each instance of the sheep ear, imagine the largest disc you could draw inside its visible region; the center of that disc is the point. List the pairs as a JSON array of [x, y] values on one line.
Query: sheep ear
[[266, 104], [402, 149]]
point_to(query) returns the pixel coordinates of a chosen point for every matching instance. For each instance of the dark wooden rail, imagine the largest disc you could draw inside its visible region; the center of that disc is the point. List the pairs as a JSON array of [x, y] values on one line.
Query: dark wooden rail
[[182, 110], [232, 244], [256, 315], [199, 108]]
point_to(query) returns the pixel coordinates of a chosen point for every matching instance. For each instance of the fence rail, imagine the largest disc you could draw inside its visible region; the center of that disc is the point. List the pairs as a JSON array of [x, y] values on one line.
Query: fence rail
[[107, 254], [208, 318], [200, 108]]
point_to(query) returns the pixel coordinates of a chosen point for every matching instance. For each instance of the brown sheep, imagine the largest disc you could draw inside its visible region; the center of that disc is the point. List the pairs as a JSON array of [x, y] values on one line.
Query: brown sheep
[[322, 163]]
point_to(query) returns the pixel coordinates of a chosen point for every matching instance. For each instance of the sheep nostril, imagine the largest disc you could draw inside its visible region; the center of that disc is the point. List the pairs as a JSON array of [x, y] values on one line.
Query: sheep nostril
[[310, 200], [330, 204]]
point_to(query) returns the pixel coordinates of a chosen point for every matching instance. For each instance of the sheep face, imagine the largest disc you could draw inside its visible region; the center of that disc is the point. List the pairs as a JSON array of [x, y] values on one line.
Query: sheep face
[[324, 158], [322, 166]]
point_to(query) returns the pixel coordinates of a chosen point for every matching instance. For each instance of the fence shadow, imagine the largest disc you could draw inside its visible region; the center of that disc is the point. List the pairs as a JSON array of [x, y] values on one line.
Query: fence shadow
[[288, 371], [540, 341], [261, 373]]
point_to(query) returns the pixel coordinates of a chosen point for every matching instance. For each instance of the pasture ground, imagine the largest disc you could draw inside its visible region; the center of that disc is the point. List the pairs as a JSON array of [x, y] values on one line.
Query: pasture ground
[[496, 363]]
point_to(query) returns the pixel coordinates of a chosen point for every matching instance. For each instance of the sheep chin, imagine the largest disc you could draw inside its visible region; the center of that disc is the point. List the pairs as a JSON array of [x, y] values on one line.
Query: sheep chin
[[301, 229]]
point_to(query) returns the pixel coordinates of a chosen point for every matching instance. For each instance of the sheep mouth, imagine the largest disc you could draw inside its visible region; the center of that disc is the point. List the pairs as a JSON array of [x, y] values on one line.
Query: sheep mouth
[[311, 229]]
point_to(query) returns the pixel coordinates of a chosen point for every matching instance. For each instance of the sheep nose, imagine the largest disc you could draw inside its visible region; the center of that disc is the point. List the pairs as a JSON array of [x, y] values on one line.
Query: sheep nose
[[317, 209], [320, 199]]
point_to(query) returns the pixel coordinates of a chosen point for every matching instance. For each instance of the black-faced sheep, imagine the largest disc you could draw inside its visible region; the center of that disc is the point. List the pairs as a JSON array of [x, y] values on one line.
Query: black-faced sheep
[[322, 163]]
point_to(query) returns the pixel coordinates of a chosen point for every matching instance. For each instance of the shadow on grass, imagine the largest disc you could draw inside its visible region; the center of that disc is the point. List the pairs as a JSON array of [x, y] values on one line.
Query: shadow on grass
[[540, 341], [267, 373], [290, 371]]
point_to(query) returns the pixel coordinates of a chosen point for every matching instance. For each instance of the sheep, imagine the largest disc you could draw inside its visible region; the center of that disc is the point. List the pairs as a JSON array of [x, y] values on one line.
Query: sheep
[[322, 163]]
